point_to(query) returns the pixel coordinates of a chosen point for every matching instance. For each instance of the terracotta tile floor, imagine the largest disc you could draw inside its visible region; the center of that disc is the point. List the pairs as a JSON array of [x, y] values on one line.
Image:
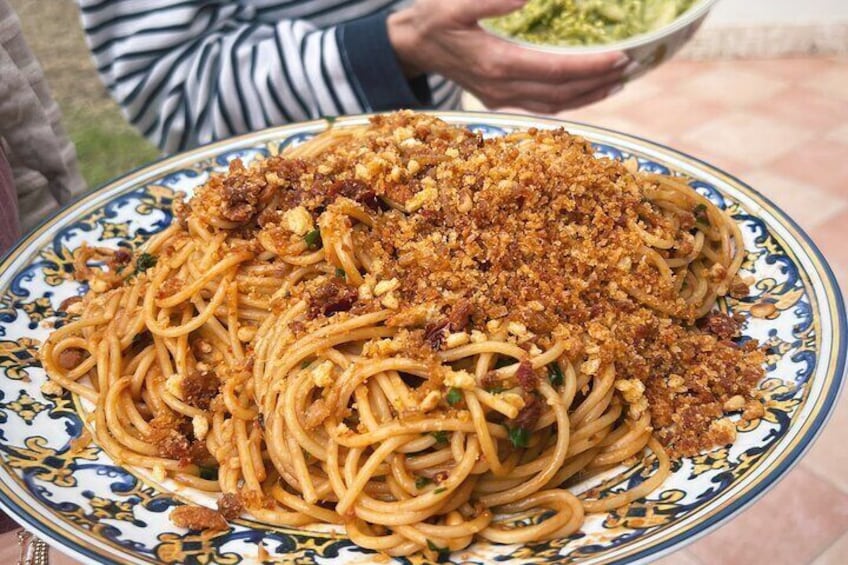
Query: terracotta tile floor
[[782, 126]]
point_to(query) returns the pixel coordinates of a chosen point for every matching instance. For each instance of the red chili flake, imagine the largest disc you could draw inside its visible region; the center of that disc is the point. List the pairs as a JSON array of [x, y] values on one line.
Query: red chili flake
[[526, 377], [529, 415], [720, 324], [460, 315], [121, 257], [435, 334], [332, 297], [71, 358], [358, 191]]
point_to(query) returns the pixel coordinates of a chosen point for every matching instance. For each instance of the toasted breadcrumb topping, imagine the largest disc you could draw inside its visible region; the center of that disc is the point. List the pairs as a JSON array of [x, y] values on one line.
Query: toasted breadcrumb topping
[[198, 518], [527, 236]]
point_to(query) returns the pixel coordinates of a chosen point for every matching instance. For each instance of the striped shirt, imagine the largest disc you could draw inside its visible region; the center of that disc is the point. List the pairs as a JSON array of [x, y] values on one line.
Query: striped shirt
[[187, 72]]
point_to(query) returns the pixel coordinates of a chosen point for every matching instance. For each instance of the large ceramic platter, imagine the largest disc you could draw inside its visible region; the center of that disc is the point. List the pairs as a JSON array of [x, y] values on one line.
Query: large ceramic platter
[[79, 499]]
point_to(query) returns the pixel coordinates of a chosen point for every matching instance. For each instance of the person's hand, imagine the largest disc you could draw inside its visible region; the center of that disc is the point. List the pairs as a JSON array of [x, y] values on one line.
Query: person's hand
[[443, 37]]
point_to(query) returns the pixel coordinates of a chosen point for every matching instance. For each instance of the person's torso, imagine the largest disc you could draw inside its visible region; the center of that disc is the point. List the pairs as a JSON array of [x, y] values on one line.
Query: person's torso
[[321, 13]]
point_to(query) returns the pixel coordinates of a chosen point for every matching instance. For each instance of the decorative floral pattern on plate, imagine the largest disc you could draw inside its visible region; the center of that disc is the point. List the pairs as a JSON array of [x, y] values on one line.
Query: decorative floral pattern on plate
[[56, 480]]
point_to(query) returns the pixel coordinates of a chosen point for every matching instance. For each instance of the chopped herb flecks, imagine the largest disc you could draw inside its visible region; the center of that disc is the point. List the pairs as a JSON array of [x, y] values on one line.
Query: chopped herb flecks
[[209, 473], [313, 239], [504, 362], [701, 216], [519, 437], [144, 262], [441, 436], [422, 482], [443, 552], [555, 374]]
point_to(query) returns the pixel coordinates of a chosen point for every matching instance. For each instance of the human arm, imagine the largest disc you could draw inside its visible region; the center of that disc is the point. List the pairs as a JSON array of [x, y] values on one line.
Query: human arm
[[189, 72], [445, 38]]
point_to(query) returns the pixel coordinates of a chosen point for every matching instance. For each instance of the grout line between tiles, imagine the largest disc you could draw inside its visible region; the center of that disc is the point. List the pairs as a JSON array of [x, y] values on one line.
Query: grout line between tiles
[[838, 539], [819, 475], [692, 556]]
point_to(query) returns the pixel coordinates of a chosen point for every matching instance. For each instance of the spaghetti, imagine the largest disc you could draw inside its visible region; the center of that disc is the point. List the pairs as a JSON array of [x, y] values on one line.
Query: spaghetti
[[416, 333]]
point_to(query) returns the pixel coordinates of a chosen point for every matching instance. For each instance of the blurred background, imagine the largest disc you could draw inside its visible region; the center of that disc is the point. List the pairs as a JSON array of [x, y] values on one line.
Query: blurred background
[[735, 29], [762, 92]]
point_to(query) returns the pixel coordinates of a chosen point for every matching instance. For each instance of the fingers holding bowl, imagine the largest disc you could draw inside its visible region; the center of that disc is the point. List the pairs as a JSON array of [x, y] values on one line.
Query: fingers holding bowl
[[510, 61], [550, 101]]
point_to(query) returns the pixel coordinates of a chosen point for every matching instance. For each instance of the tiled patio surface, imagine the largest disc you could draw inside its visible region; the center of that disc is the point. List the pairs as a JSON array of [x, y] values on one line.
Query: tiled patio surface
[[781, 126]]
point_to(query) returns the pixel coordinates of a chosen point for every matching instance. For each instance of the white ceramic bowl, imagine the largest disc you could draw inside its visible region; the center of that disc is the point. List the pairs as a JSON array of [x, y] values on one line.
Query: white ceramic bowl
[[649, 50]]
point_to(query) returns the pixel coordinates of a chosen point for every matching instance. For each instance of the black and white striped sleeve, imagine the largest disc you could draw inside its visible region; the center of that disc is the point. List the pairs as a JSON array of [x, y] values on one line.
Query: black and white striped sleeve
[[189, 72]]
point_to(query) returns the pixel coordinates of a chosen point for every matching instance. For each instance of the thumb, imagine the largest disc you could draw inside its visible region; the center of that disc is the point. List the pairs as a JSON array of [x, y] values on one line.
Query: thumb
[[470, 11]]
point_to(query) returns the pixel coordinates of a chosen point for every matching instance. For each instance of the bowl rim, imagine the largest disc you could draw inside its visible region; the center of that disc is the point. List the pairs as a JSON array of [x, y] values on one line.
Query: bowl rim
[[690, 16]]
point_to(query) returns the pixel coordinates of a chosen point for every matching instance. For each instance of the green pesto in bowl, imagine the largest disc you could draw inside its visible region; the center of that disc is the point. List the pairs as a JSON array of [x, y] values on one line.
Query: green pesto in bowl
[[587, 22]]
